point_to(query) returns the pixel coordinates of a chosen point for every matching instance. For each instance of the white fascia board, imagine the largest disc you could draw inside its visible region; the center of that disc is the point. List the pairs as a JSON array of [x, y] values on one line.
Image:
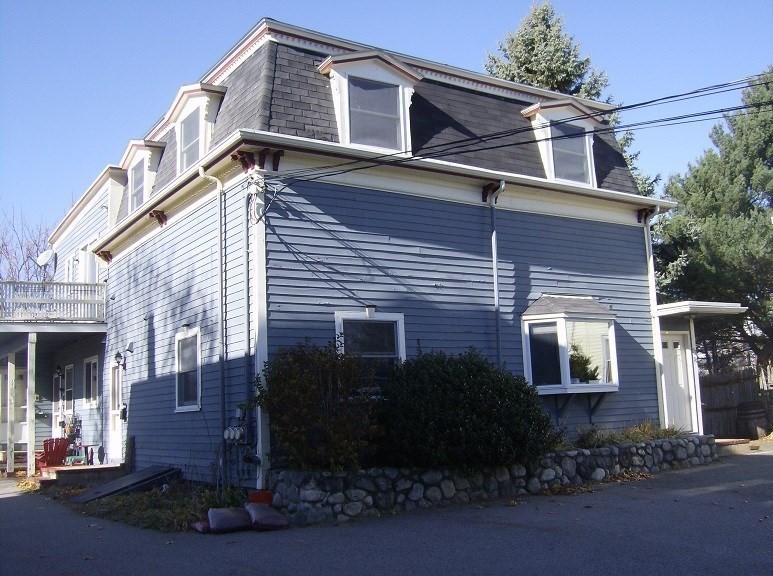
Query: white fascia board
[[258, 138], [135, 145], [110, 171], [337, 149], [699, 308]]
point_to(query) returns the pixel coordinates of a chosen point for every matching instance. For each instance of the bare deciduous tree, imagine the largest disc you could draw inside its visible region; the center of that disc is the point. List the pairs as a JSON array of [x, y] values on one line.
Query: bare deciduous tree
[[21, 241]]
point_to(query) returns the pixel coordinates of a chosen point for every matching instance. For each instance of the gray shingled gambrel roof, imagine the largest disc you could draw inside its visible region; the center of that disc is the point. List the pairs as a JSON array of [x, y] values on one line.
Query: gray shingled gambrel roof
[[167, 166], [581, 306], [441, 113], [612, 172], [279, 89]]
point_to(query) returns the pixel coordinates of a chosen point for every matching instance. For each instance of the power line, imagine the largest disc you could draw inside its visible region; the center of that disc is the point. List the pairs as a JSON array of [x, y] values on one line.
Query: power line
[[463, 145]]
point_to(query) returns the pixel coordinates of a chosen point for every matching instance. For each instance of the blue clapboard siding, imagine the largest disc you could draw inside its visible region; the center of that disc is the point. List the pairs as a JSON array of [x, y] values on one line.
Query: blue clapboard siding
[[583, 258], [167, 282], [334, 248], [90, 225], [72, 353]]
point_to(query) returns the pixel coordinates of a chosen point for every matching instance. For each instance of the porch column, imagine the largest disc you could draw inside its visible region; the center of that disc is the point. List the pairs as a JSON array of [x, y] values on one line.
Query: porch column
[[696, 379], [32, 344], [11, 410]]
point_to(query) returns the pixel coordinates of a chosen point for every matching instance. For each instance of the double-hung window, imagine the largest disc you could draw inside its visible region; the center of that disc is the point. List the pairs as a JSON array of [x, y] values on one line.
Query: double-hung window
[[91, 380], [376, 337], [188, 370], [137, 185], [374, 113], [190, 133], [570, 153], [569, 345], [67, 396]]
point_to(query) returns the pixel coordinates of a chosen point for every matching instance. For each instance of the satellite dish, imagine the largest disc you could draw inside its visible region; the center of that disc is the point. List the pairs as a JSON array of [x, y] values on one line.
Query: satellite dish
[[45, 257]]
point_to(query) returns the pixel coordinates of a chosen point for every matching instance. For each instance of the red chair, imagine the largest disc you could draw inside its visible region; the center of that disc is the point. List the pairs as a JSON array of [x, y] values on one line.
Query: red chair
[[54, 453]]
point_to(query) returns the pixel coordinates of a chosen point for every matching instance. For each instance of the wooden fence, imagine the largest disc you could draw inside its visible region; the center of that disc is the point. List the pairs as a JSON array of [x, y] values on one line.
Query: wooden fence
[[721, 394]]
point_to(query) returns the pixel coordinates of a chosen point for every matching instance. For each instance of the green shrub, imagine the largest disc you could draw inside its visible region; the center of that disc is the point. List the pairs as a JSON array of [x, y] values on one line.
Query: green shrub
[[592, 437], [460, 411], [318, 405]]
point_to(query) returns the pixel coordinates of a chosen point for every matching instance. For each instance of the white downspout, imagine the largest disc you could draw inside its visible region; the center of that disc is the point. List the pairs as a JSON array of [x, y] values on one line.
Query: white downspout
[[495, 266], [221, 314], [695, 379], [655, 320]]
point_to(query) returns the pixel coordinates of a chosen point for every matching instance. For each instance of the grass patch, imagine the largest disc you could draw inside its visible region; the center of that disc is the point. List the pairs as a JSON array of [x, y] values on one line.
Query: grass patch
[[171, 508], [646, 431]]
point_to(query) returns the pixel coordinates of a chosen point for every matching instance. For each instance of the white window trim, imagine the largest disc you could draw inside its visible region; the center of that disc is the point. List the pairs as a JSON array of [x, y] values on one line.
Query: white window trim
[[589, 165], [93, 400], [71, 410], [142, 163], [545, 114], [187, 333], [397, 318], [370, 70], [201, 141], [566, 386]]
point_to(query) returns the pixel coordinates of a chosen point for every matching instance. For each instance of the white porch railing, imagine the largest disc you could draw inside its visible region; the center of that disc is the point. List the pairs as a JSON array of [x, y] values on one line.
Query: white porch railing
[[51, 301]]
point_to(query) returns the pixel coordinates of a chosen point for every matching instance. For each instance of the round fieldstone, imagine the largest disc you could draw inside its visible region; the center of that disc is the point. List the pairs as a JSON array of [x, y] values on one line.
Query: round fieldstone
[[547, 475], [518, 470], [403, 484], [385, 500], [533, 485], [352, 508], [568, 467], [432, 477], [433, 494], [416, 493], [312, 495], [681, 453], [461, 483], [448, 488], [355, 494], [598, 474], [337, 498], [365, 484], [502, 474], [391, 473]]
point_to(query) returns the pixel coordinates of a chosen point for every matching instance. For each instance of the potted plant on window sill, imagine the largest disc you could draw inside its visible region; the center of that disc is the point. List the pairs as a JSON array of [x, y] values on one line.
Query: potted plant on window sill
[[581, 369]]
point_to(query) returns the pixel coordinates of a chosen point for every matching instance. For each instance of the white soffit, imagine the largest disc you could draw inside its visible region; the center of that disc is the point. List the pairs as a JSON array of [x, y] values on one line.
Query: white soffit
[[698, 308]]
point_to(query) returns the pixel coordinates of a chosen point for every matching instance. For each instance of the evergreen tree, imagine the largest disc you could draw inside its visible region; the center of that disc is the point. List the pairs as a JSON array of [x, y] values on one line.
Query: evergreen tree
[[542, 54], [718, 243]]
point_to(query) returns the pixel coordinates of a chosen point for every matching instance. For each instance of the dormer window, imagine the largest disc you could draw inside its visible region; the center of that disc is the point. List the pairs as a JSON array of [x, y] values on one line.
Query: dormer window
[[139, 165], [190, 138], [374, 113], [137, 185], [372, 97], [571, 160], [193, 115], [564, 133]]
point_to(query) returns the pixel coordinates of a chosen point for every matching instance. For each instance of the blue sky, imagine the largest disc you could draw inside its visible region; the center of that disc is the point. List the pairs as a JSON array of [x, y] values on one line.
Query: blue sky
[[80, 78]]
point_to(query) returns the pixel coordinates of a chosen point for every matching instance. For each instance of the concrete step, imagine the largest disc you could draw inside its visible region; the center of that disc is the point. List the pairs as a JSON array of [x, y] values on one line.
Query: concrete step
[[728, 446]]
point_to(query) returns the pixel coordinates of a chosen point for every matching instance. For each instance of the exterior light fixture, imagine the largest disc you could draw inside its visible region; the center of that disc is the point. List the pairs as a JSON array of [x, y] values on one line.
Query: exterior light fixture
[[370, 310]]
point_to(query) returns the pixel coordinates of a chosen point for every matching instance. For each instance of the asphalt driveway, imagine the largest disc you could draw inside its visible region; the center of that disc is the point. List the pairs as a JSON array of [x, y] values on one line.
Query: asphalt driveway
[[715, 519]]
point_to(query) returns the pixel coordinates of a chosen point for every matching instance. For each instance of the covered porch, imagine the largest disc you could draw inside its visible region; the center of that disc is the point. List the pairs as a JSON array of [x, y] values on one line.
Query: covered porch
[[43, 325]]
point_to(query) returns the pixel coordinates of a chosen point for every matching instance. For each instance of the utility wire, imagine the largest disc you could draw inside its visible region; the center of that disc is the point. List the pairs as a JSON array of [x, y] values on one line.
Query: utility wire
[[463, 145], [699, 92]]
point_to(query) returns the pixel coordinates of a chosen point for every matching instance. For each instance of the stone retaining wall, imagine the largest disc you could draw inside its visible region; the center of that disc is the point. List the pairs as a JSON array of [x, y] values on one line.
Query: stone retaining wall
[[313, 497]]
